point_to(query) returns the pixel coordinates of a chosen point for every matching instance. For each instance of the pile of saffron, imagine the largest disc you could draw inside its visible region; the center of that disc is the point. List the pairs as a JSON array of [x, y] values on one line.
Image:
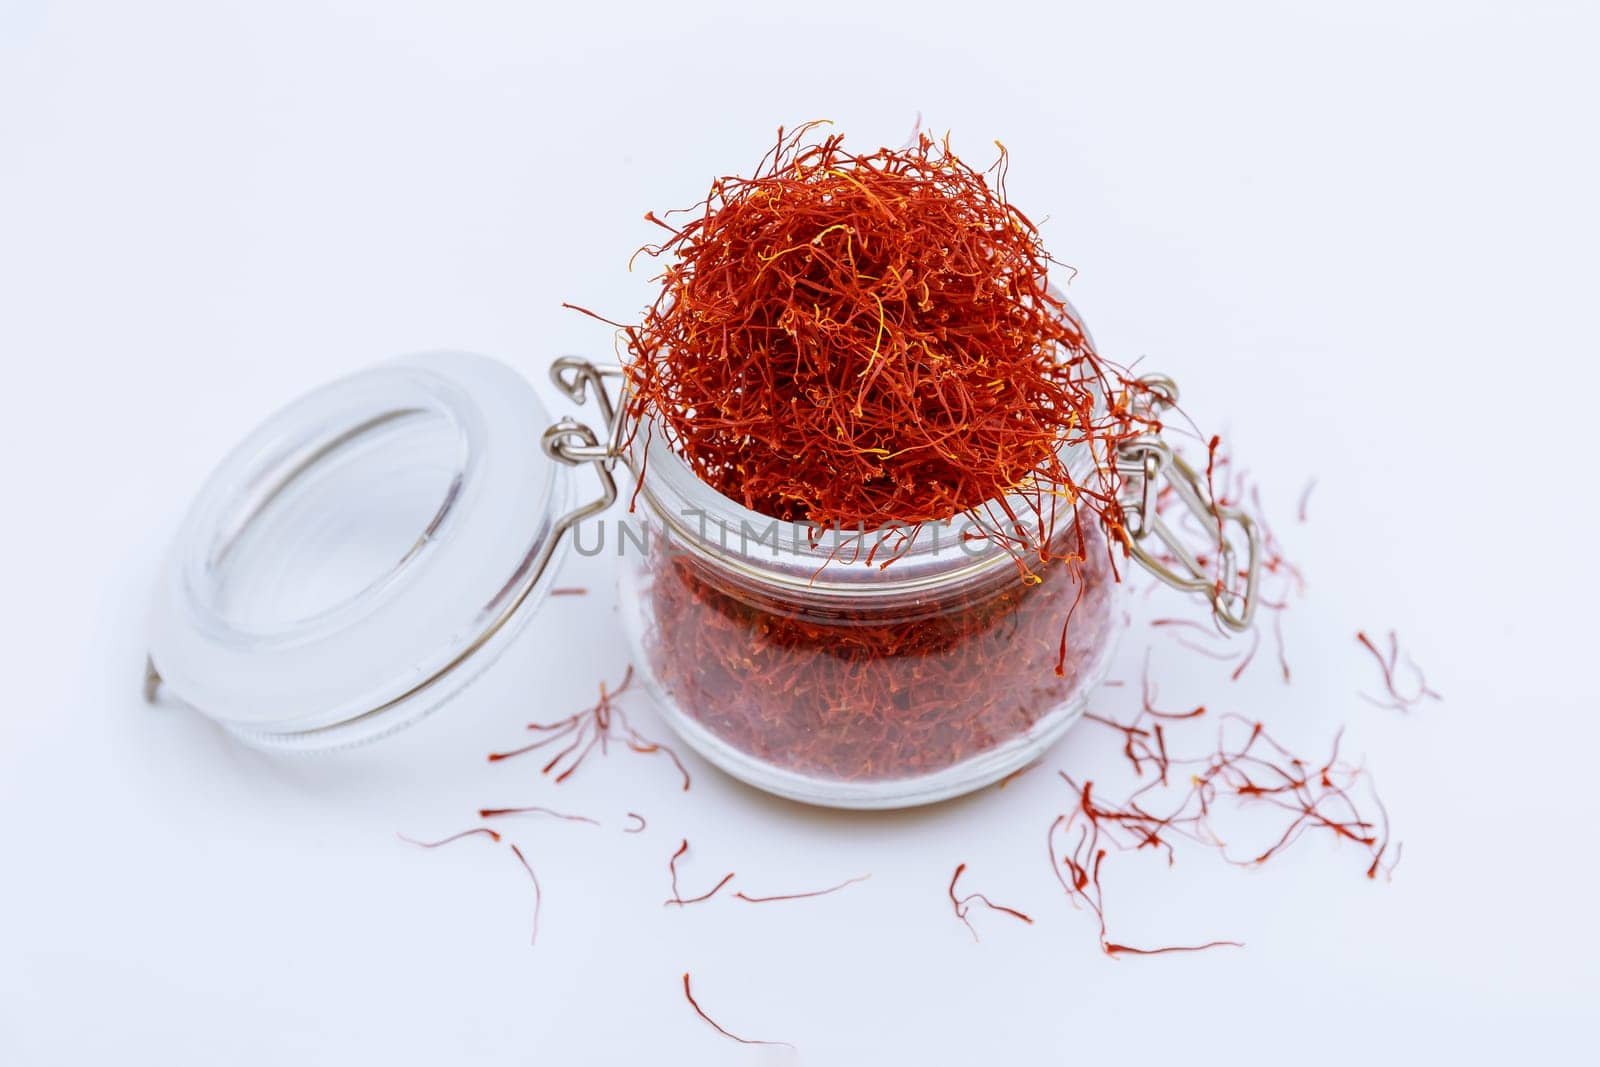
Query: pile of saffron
[[870, 338]]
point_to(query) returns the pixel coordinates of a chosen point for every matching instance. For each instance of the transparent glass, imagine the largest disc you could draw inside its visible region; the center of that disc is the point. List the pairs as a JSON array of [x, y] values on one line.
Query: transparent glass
[[816, 672], [359, 557]]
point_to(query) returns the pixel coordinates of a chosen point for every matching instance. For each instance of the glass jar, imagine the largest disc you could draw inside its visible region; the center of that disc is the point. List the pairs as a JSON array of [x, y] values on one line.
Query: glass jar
[[356, 561], [801, 662]]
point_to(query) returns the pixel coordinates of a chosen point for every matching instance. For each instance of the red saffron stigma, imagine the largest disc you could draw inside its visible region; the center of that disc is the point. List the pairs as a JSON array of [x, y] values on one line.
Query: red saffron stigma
[[1113, 949], [963, 905], [677, 897], [1246, 766], [491, 813], [1389, 664], [688, 995], [591, 728], [1305, 498], [492, 835], [802, 896], [633, 817], [538, 894]]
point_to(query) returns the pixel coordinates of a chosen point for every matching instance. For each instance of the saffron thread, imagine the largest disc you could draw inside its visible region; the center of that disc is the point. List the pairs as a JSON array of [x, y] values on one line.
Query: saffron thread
[[688, 995]]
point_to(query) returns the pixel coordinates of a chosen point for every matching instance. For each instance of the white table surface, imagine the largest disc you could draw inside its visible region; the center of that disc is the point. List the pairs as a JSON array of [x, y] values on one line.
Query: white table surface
[[1364, 239]]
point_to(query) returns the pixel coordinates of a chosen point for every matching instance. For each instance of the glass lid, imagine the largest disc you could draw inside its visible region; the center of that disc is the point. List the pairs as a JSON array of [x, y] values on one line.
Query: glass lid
[[362, 554]]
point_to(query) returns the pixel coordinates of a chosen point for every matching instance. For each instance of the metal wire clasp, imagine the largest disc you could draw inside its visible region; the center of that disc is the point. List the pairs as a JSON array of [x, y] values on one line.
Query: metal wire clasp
[[1146, 462], [572, 442]]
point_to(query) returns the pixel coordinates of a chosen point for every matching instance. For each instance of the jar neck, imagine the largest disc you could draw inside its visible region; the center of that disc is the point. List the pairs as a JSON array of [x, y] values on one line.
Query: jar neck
[[997, 543]]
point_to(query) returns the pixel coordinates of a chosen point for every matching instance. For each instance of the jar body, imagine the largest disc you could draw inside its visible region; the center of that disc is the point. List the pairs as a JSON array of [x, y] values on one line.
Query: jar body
[[867, 687]]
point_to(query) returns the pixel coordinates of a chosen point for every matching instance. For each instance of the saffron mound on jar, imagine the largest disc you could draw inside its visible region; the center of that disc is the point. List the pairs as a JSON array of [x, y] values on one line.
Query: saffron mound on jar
[[871, 338]]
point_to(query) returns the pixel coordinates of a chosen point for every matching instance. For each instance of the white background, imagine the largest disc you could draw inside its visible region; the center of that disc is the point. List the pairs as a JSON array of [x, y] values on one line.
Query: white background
[[1363, 237]]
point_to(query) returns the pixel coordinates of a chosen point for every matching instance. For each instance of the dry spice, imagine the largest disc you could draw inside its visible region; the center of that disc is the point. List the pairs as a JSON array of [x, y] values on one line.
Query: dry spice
[[1397, 695], [688, 994], [801, 896], [963, 905], [591, 728], [877, 692], [1183, 797], [678, 898], [871, 338], [538, 894], [490, 834], [866, 340]]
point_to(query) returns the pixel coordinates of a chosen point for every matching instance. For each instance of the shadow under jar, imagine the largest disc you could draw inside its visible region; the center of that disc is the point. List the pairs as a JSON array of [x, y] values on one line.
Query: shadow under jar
[[806, 667]]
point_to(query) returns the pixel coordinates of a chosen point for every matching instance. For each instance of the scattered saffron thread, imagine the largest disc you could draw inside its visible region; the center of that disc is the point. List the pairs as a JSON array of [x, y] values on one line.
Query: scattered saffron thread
[[634, 816], [1083, 864], [801, 896], [1148, 694], [1283, 657], [688, 995], [570, 590], [1305, 498], [492, 835], [678, 898], [963, 905], [1250, 654], [1389, 664], [538, 894], [491, 813], [591, 728], [1254, 770]]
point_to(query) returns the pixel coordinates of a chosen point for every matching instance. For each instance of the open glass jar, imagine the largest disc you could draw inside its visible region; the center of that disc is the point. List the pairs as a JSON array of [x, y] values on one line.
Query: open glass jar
[[360, 557]]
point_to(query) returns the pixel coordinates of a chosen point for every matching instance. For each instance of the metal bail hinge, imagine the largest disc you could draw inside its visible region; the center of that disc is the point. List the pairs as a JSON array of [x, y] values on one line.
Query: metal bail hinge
[[571, 442], [1146, 463]]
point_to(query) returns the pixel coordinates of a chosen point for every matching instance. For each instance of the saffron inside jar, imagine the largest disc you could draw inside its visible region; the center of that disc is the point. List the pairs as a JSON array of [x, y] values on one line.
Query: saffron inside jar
[[871, 697], [872, 692]]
